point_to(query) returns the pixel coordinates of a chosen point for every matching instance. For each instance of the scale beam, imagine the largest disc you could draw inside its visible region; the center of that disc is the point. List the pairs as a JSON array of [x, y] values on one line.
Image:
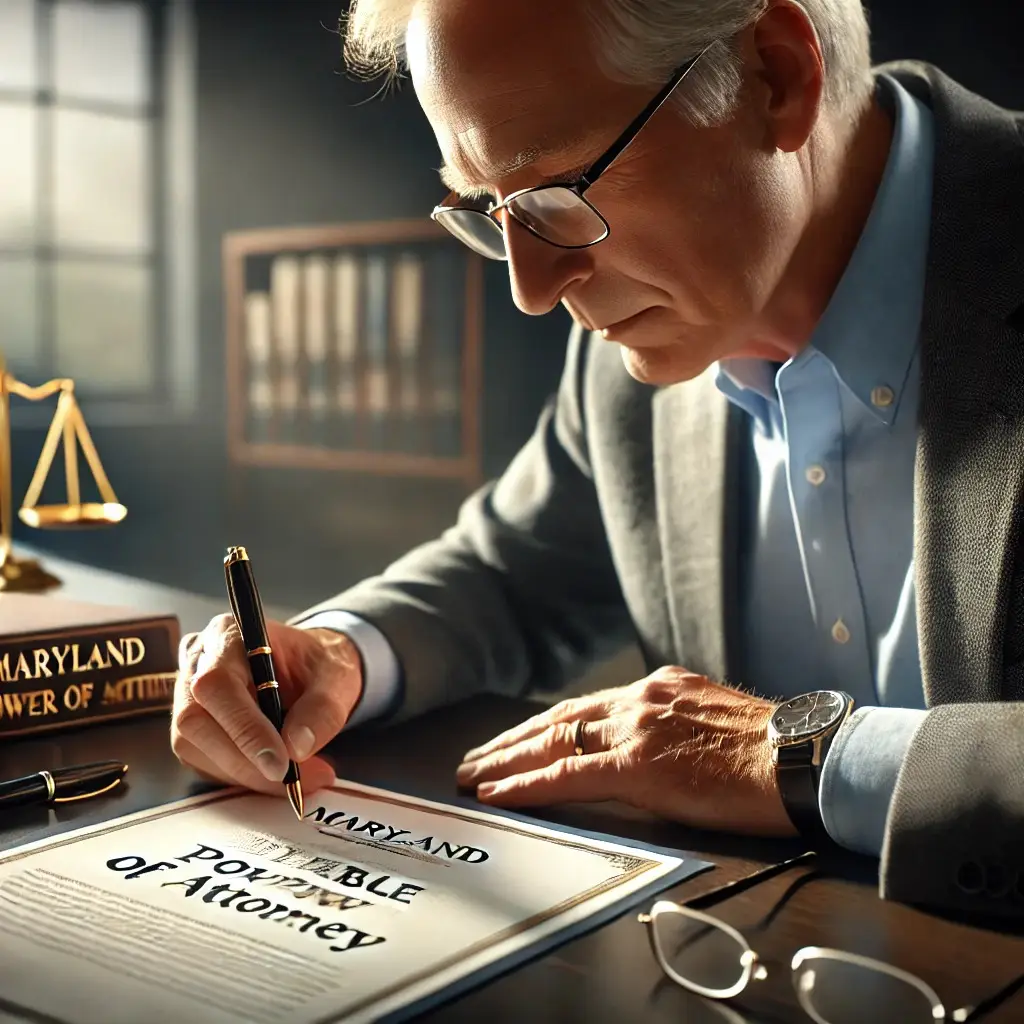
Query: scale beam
[[68, 425]]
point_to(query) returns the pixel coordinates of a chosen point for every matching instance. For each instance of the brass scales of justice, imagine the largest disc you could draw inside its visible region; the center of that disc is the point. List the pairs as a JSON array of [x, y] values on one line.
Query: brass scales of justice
[[26, 574]]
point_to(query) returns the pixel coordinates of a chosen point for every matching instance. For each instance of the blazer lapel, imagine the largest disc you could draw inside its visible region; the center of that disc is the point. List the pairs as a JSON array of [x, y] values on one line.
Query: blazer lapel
[[969, 472], [694, 483]]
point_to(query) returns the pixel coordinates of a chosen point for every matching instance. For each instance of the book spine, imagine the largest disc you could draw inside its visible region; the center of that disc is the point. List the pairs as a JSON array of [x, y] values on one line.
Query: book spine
[[377, 361], [448, 305], [316, 282], [87, 676], [285, 297], [347, 317], [407, 320], [259, 348]]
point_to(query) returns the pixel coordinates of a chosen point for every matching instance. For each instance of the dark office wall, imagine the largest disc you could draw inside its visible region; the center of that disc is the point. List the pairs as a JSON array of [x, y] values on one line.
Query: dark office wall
[[978, 44]]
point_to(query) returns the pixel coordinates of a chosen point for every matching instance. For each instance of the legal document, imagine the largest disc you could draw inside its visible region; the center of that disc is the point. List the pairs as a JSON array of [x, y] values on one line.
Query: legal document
[[223, 908]]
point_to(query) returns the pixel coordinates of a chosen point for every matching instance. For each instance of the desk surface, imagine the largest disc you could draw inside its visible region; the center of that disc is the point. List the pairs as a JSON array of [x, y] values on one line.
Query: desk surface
[[609, 974], [101, 586]]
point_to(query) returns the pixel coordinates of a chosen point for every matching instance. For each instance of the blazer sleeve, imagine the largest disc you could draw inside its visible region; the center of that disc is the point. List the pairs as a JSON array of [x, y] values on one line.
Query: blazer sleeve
[[955, 832], [521, 592]]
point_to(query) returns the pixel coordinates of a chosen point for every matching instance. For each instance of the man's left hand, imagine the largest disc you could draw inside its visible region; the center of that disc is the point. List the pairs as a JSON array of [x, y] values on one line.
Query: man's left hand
[[675, 743]]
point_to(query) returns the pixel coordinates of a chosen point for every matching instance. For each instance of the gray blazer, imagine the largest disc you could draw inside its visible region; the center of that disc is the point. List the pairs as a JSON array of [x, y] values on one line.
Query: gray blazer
[[615, 523]]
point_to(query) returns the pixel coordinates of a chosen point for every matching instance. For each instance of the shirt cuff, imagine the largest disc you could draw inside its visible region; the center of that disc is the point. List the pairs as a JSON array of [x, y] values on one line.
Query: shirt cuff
[[859, 775], [381, 673]]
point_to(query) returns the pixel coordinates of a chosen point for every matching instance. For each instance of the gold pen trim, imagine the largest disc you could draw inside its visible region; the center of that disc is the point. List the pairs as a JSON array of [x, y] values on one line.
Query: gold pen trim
[[87, 796], [258, 650], [271, 684], [236, 554], [51, 787]]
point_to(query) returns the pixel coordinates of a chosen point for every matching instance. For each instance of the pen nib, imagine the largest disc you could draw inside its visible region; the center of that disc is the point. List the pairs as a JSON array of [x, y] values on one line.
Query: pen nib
[[295, 797]]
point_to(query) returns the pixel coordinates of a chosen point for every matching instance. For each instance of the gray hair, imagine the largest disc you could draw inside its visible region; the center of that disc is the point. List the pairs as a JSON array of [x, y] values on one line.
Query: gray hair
[[643, 41]]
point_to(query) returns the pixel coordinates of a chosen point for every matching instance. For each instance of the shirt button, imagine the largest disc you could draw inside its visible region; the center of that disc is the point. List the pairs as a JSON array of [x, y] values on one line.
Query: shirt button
[[840, 633], [882, 397], [815, 475]]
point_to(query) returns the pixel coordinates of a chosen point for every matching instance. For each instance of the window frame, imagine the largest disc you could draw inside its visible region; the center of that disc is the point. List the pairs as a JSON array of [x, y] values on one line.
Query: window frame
[[173, 255]]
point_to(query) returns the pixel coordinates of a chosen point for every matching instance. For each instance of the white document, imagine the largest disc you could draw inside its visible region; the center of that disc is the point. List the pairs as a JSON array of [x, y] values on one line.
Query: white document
[[224, 908]]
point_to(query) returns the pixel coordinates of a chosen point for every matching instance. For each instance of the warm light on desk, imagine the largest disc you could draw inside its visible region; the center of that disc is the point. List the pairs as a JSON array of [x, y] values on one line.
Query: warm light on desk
[[67, 424]]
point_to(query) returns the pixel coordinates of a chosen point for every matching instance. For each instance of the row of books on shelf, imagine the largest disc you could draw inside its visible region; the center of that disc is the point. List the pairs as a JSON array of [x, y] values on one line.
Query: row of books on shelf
[[357, 350]]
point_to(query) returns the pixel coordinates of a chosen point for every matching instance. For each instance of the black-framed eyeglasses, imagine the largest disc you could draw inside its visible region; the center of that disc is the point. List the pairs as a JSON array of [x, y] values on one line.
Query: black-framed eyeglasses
[[557, 212], [714, 960]]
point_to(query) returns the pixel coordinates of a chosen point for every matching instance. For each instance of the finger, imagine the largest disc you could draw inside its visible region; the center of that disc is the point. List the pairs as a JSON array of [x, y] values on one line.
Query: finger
[[189, 649], [556, 742], [315, 774], [229, 700], [331, 692], [188, 655], [586, 708], [579, 779]]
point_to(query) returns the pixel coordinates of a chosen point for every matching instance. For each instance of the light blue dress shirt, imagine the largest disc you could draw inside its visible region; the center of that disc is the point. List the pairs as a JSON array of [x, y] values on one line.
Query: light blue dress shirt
[[827, 587], [826, 597]]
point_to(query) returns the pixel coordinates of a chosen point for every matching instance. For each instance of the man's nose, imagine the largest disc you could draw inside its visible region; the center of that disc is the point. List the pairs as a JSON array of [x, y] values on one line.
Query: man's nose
[[540, 273]]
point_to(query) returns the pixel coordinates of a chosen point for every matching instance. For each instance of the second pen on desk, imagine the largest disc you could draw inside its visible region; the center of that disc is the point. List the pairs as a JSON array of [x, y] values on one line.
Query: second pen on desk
[[248, 612]]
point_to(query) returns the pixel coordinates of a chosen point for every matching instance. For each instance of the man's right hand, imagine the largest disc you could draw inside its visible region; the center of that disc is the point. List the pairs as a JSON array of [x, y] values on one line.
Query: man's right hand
[[217, 727]]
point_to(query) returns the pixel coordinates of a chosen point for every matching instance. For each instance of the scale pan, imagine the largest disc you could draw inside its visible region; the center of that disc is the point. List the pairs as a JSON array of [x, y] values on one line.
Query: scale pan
[[66, 517]]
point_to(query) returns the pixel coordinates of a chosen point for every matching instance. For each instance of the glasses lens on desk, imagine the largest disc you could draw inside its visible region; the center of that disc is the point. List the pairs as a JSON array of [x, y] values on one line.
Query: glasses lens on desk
[[700, 953], [840, 988]]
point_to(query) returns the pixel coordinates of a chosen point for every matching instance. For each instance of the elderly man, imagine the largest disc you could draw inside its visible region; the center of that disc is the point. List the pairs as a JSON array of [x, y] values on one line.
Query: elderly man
[[786, 456]]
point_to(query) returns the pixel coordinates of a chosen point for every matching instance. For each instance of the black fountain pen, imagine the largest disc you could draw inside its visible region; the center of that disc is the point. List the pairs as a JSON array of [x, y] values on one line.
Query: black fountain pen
[[248, 612], [62, 785]]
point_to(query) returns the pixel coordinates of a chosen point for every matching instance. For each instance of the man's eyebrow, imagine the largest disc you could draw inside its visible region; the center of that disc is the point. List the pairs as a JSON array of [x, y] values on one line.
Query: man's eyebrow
[[462, 186]]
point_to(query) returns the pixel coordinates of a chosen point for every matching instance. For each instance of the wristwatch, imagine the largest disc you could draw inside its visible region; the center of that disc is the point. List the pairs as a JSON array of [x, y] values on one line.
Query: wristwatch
[[800, 731]]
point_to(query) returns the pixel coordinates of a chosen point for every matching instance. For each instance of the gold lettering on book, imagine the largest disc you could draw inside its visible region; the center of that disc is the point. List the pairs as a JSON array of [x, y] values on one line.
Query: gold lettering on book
[[28, 704], [139, 689], [35, 663]]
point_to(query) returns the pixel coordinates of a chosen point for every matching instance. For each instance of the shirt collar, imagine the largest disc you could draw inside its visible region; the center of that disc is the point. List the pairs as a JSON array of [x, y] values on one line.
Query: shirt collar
[[869, 329]]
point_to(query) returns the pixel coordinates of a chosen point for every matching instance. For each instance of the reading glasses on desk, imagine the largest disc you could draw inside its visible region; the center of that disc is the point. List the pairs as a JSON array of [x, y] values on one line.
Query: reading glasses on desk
[[67, 425], [714, 960]]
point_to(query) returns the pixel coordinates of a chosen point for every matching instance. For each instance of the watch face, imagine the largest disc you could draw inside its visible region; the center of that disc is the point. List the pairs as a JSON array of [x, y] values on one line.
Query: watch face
[[809, 714]]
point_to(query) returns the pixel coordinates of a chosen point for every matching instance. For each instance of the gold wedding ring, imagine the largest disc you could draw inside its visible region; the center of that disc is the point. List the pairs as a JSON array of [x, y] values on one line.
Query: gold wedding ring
[[577, 738]]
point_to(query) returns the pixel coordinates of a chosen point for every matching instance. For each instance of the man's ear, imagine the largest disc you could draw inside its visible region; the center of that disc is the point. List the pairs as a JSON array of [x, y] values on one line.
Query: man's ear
[[791, 70]]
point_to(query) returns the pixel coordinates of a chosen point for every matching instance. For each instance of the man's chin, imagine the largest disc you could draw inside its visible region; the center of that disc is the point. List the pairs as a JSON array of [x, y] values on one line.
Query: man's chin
[[659, 367]]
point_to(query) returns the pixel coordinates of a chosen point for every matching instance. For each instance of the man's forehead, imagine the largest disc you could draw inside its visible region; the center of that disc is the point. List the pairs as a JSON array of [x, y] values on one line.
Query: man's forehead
[[497, 109], [550, 162]]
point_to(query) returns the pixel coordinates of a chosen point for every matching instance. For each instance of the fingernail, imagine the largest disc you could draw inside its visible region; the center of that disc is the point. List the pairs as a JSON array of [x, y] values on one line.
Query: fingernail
[[301, 741], [473, 755], [464, 773], [486, 788], [270, 765]]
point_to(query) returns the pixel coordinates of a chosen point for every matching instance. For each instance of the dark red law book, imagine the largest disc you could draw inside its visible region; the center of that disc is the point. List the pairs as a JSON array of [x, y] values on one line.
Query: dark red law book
[[67, 663]]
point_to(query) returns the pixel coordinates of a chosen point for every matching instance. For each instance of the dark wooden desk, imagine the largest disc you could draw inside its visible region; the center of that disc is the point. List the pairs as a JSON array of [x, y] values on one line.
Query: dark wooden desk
[[608, 975]]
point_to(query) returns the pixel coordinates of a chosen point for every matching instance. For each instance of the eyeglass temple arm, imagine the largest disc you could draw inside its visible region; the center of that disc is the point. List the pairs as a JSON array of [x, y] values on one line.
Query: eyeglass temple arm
[[738, 885], [603, 162], [972, 1013]]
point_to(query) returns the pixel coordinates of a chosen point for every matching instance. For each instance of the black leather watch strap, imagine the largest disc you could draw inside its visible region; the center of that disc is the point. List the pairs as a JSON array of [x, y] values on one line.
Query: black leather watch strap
[[798, 786]]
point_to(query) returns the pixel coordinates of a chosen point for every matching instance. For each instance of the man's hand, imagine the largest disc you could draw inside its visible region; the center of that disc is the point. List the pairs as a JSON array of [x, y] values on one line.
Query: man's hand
[[675, 743], [217, 726]]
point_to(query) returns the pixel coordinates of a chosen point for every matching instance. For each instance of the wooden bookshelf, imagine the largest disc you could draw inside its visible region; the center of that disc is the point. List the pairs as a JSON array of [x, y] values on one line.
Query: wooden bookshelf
[[354, 347]]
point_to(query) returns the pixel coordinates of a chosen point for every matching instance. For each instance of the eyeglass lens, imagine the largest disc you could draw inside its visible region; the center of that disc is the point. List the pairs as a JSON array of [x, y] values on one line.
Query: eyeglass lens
[[703, 956], [475, 229], [556, 214], [836, 992], [699, 954]]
